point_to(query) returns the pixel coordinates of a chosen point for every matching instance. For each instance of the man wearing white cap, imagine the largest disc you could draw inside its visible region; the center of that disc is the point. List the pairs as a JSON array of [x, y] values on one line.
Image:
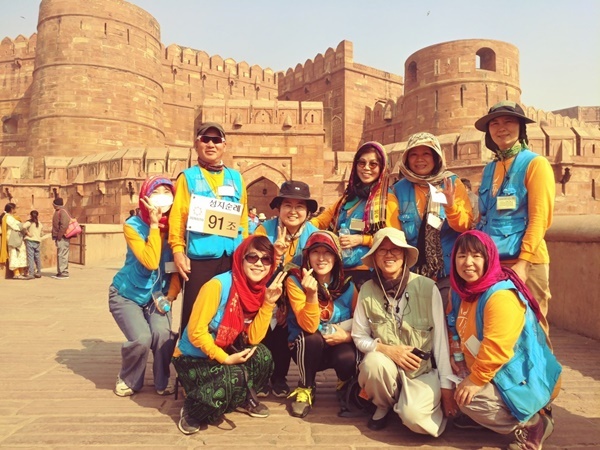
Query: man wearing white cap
[[399, 325]]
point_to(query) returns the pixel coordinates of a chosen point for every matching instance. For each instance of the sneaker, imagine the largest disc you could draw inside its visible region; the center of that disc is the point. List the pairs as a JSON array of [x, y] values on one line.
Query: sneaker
[[280, 389], [122, 390], [254, 409], [532, 435], [38, 275], [464, 422], [188, 425], [304, 400], [169, 390], [264, 391], [60, 277], [29, 277]]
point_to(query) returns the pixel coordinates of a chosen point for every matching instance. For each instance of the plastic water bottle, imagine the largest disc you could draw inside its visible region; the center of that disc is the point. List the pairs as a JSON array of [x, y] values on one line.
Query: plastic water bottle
[[162, 303], [459, 357], [347, 252], [327, 329]]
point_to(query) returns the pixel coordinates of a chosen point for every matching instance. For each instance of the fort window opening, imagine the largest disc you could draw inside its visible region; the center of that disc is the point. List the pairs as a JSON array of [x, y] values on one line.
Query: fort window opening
[[10, 125], [485, 59], [412, 72]]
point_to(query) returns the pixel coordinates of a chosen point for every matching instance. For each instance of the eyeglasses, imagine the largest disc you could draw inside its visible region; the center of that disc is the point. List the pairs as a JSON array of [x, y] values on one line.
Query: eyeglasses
[[395, 251], [214, 139], [253, 258], [372, 164], [299, 207]]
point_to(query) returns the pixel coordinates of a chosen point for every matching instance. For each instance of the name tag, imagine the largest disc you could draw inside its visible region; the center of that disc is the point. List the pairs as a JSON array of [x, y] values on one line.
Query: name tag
[[213, 216], [434, 221], [226, 191], [472, 344], [506, 202], [357, 224]]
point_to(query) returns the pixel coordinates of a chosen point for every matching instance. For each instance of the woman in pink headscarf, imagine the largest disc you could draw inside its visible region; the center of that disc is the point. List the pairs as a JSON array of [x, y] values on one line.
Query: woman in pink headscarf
[[513, 373], [145, 322]]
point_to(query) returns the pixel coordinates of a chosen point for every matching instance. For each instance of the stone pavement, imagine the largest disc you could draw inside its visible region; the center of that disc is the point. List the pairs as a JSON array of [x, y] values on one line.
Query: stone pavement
[[60, 355]]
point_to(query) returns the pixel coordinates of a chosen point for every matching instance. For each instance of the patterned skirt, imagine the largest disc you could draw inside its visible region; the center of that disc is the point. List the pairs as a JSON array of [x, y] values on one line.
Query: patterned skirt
[[213, 389]]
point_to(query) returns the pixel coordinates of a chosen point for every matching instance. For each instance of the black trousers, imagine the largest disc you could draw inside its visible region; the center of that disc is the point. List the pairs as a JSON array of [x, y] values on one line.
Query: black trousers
[[312, 355], [202, 270], [276, 341]]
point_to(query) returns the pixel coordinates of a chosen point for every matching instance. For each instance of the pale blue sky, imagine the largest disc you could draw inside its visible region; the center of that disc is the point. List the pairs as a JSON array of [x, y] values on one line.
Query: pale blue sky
[[559, 40]]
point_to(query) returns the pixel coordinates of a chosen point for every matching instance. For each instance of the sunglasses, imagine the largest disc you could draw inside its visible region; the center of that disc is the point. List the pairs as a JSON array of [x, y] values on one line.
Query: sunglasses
[[372, 164], [214, 139], [253, 258], [395, 251]]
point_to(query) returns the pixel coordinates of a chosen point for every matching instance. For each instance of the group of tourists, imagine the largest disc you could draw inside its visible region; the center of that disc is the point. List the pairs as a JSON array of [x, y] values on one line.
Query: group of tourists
[[375, 286]]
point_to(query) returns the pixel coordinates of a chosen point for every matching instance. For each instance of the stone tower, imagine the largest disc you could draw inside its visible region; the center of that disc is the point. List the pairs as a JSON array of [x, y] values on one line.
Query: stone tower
[[450, 85], [97, 80]]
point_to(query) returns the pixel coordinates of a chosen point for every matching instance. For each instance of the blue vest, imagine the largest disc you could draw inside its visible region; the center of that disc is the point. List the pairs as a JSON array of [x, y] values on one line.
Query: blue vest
[[210, 246], [352, 257], [271, 230], [527, 380], [505, 227], [134, 281], [185, 346], [411, 221], [342, 310]]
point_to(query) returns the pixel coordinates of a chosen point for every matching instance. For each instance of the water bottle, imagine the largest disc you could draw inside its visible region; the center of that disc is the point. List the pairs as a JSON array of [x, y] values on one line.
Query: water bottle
[[347, 252], [327, 329], [162, 303], [459, 357]]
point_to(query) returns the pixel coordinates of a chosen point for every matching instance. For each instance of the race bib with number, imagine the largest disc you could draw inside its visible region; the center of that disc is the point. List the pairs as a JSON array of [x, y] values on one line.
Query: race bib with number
[[213, 216]]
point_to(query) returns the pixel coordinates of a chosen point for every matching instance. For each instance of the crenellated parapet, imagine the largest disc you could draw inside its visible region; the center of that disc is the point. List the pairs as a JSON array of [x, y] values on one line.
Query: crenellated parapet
[[18, 48], [179, 58]]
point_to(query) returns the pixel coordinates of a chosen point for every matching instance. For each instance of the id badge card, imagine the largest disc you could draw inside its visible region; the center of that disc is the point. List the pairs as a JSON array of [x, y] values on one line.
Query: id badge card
[[357, 224], [225, 191], [170, 267], [434, 221], [506, 202]]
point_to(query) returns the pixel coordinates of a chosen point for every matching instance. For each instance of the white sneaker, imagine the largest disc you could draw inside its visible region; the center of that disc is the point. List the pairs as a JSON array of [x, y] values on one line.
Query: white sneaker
[[169, 390], [122, 390]]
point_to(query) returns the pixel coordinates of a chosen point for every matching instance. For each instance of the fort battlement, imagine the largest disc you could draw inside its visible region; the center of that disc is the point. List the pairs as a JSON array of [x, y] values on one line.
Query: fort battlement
[[183, 57], [19, 47]]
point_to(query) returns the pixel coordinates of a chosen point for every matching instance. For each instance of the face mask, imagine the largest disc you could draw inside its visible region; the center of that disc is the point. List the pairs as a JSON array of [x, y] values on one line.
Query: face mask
[[163, 201]]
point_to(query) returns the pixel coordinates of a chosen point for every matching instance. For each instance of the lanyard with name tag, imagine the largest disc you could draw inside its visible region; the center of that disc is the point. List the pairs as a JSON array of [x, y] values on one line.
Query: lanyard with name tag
[[213, 216]]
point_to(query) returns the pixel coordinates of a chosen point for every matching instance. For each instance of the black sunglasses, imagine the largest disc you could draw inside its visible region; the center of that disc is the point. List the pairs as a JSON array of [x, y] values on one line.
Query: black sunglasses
[[214, 139], [253, 258]]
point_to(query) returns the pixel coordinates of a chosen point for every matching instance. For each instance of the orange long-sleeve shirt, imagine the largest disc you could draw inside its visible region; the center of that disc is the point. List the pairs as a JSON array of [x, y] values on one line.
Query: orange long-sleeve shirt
[[148, 252], [459, 215], [308, 315], [541, 190], [503, 321], [205, 308], [181, 204]]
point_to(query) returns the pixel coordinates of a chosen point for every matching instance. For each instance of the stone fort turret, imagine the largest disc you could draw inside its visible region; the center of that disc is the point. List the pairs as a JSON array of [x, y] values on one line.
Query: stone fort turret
[[97, 80], [449, 85]]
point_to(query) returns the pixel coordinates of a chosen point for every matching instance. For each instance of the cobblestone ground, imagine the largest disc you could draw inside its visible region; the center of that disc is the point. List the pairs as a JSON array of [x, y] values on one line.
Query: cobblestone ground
[[60, 354]]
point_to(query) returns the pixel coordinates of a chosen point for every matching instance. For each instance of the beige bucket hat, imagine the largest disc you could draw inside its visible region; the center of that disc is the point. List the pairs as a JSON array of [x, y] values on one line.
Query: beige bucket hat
[[397, 238]]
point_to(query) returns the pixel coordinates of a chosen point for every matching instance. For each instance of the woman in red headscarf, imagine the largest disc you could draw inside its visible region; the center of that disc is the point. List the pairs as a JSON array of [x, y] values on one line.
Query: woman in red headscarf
[[140, 294], [513, 373], [219, 359]]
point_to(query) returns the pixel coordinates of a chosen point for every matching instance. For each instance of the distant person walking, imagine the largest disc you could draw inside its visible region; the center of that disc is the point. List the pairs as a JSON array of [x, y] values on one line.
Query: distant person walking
[[473, 198], [33, 242], [60, 222], [12, 245]]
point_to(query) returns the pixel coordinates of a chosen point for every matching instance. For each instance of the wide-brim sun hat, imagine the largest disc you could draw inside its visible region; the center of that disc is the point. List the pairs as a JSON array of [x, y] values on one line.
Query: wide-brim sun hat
[[295, 190], [396, 237], [505, 108]]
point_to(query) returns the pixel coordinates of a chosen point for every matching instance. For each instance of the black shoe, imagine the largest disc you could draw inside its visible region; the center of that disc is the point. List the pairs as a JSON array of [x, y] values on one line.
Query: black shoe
[[254, 409], [378, 424], [464, 422], [188, 425]]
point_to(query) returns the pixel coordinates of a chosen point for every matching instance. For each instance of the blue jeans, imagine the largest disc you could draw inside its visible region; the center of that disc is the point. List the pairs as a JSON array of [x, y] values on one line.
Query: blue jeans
[[145, 329], [34, 257]]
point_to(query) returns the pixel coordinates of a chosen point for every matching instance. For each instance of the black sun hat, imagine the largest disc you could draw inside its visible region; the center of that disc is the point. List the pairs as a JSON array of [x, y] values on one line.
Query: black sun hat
[[505, 108], [295, 190]]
